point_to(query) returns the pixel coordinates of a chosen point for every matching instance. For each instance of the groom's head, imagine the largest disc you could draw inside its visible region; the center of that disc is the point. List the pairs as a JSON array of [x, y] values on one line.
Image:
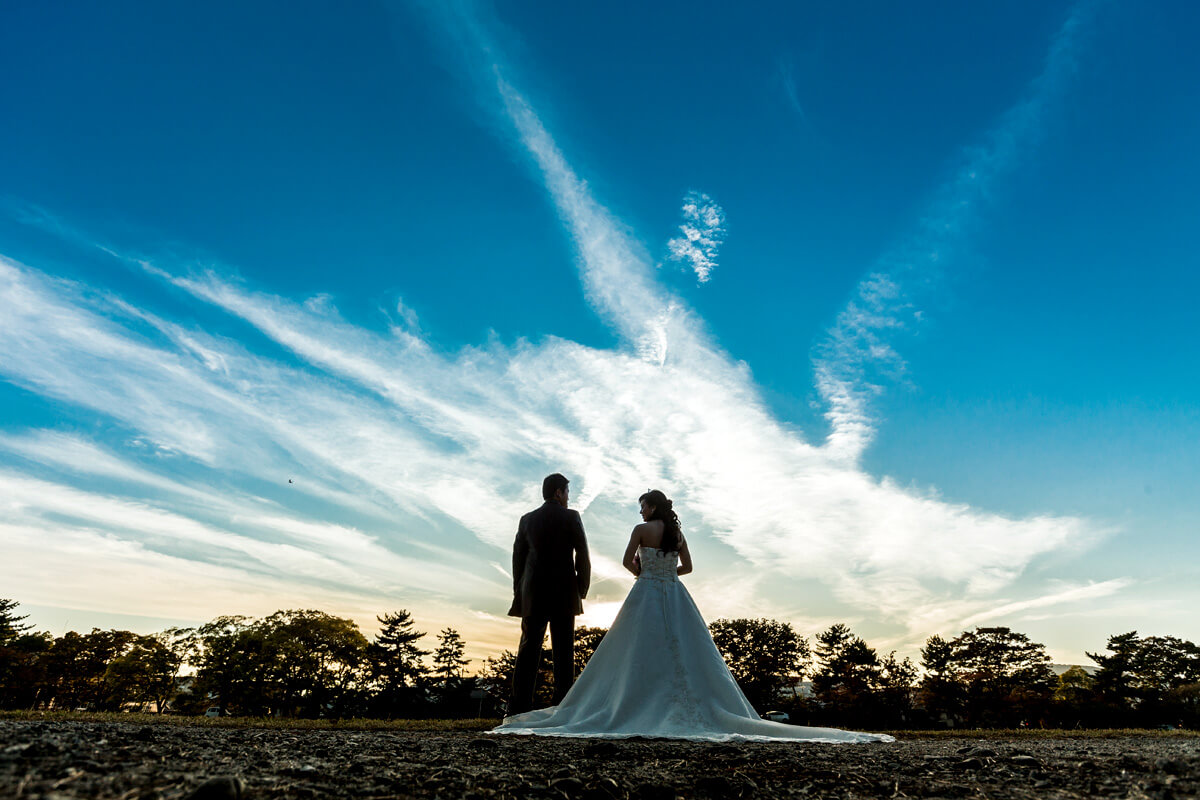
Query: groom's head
[[554, 489]]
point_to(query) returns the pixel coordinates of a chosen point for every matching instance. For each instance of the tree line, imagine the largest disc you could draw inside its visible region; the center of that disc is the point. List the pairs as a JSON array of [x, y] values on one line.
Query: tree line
[[295, 663], [306, 663], [989, 677]]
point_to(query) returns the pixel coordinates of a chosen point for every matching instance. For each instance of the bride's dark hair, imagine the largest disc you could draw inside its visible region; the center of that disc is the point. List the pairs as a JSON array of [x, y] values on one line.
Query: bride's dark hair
[[672, 533]]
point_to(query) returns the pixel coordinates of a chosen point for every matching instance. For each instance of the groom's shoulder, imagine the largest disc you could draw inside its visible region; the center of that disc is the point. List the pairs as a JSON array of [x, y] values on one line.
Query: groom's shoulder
[[541, 511], [571, 517], [554, 511]]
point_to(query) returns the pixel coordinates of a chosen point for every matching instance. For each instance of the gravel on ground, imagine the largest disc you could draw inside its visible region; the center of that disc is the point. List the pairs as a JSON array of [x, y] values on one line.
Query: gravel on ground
[[56, 760]]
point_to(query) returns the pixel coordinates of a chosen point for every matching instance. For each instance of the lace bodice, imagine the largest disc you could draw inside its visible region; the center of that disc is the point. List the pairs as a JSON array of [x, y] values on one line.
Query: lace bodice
[[657, 566]]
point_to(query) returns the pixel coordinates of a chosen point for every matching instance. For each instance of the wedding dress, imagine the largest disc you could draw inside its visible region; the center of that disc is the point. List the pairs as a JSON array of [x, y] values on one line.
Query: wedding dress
[[657, 673]]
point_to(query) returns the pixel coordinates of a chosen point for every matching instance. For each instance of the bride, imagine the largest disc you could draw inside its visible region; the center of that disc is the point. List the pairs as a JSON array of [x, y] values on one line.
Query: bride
[[657, 672]]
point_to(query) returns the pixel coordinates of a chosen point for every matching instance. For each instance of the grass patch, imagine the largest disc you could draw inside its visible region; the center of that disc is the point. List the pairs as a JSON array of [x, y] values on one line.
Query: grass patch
[[183, 721]]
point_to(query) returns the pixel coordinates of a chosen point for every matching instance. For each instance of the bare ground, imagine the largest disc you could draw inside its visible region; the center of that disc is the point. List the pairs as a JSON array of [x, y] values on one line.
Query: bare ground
[[75, 759]]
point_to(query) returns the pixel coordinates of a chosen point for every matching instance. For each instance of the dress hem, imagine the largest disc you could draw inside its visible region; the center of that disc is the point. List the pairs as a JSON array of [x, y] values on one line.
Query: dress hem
[[867, 738]]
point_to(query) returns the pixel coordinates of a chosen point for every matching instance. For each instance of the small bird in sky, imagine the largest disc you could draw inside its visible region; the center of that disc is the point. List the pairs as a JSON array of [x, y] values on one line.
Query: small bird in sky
[[289, 480]]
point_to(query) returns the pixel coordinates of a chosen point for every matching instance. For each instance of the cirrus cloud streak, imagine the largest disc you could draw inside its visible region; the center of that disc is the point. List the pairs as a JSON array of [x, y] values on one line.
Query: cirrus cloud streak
[[412, 466]]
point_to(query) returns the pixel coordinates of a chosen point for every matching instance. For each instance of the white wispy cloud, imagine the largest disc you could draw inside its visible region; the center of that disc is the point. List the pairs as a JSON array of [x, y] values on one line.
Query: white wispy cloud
[[1064, 596], [790, 93], [858, 356], [703, 230], [411, 466], [423, 447], [873, 542]]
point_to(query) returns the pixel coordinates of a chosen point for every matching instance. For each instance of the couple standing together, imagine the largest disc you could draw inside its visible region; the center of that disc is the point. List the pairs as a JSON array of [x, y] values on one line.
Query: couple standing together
[[657, 672]]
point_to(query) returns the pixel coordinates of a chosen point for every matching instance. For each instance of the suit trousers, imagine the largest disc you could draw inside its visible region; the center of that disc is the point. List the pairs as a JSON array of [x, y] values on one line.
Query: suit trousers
[[529, 657]]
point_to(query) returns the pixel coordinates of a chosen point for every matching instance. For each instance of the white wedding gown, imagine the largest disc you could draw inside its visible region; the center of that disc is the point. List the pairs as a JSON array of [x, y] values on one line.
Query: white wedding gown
[[657, 673]]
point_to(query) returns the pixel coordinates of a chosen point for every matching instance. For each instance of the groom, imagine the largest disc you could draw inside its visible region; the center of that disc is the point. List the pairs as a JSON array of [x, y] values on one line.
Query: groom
[[551, 573]]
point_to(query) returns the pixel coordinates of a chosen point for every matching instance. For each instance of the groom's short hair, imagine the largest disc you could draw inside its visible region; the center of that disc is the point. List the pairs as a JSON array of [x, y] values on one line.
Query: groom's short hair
[[552, 484]]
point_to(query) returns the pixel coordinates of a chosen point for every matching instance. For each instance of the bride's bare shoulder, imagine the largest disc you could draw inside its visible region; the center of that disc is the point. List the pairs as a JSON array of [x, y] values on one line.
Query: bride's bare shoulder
[[648, 533]]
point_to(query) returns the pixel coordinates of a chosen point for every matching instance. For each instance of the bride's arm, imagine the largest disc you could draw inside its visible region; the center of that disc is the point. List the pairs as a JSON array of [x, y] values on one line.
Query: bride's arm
[[685, 559], [629, 561]]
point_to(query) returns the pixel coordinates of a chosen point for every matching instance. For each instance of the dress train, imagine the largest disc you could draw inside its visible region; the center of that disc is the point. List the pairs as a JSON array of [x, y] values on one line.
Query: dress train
[[658, 674]]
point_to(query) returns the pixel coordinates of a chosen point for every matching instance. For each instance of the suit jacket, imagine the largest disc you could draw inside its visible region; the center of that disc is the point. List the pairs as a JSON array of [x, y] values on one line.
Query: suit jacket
[[551, 570]]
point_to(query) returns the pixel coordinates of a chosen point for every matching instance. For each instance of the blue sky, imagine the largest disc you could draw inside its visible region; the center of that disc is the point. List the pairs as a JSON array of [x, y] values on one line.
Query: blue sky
[[927, 359]]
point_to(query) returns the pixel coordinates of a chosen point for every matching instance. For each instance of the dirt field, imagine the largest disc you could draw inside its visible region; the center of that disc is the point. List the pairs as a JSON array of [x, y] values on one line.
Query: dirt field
[[71, 759]]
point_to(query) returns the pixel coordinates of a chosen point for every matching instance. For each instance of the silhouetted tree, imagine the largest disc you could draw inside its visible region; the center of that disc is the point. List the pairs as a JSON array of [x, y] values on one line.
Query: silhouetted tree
[[1006, 677], [896, 684], [1114, 675], [497, 673], [1163, 663], [847, 673], [456, 695], [316, 660], [297, 662], [21, 657], [448, 658], [1184, 700], [764, 655], [941, 693], [11, 625], [1149, 680], [1114, 679], [311, 663], [143, 675], [586, 642], [232, 667], [497, 677], [75, 666], [396, 667]]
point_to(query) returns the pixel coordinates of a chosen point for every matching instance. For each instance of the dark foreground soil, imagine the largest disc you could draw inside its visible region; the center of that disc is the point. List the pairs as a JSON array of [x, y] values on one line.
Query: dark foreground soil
[[161, 762]]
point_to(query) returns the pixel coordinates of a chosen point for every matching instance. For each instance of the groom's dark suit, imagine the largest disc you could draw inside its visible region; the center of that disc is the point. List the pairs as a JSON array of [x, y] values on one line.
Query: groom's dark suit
[[551, 573]]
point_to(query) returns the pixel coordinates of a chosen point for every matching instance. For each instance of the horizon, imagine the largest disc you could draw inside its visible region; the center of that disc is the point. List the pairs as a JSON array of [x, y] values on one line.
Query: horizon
[[298, 310], [476, 666]]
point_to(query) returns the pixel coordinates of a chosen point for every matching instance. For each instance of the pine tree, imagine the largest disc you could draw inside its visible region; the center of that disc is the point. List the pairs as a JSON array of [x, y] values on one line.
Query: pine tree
[[11, 626], [448, 659], [896, 683], [395, 657], [941, 693], [848, 668], [20, 655], [1114, 678]]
